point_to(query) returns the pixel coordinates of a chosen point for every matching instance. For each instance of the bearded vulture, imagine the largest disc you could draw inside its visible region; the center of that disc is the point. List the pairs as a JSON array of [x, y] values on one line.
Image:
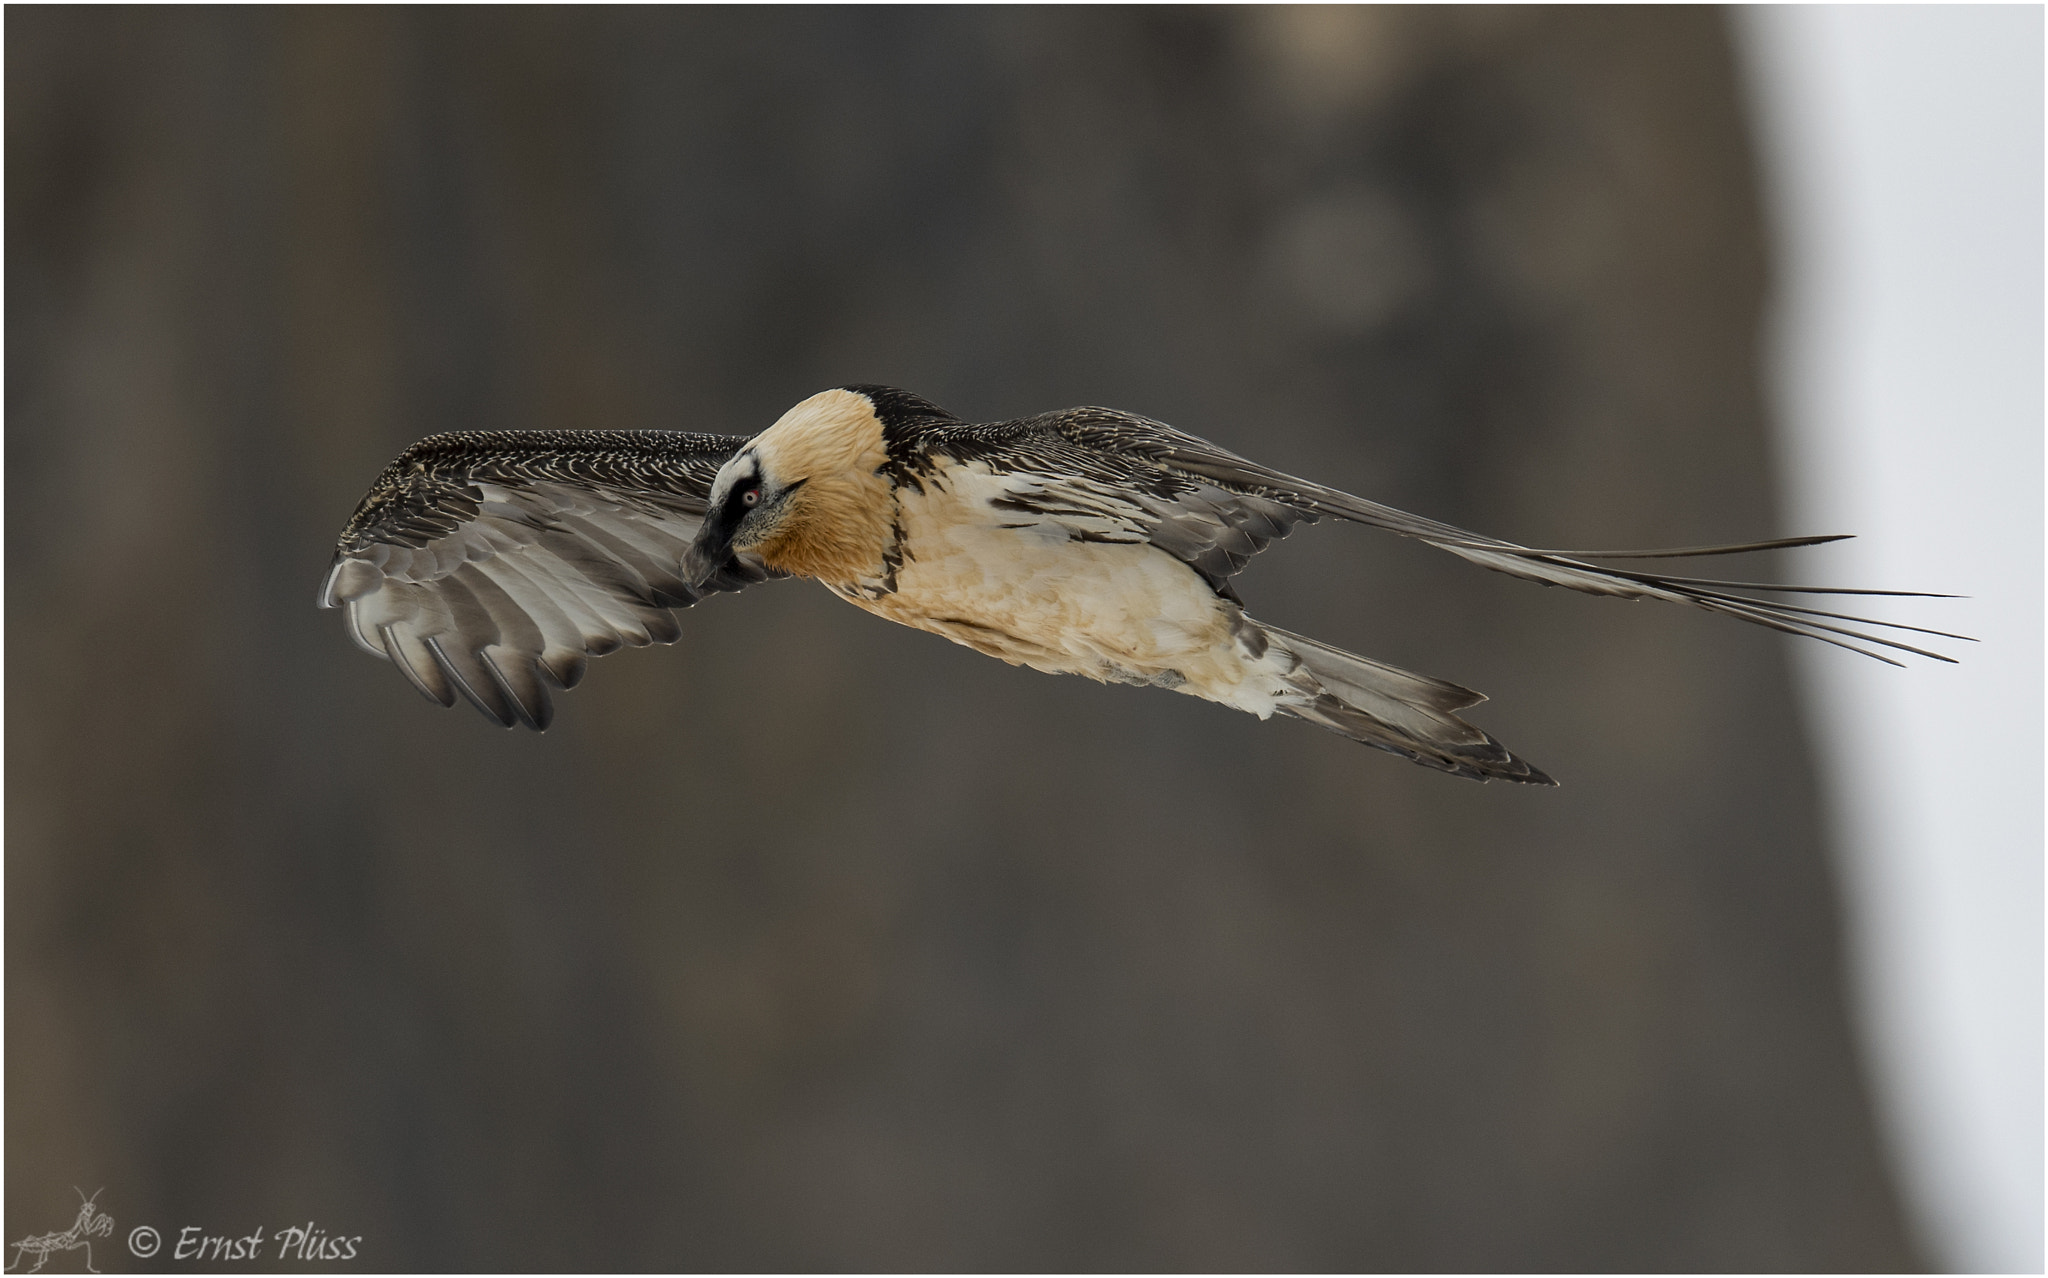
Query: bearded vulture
[[490, 565]]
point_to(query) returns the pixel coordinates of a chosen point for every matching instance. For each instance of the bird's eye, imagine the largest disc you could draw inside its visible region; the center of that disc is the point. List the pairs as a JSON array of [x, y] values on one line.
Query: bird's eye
[[751, 497]]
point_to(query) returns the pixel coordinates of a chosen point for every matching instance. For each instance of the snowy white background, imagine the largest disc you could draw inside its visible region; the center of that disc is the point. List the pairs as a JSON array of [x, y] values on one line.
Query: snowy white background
[[1903, 148]]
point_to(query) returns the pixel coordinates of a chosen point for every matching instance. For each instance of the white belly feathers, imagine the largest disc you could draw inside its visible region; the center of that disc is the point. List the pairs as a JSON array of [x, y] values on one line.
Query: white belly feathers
[[1024, 586]]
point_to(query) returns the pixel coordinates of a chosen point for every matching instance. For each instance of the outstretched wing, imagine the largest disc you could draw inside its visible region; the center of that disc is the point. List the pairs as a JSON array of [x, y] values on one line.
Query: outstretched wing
[[1217, 509], [490, 564]]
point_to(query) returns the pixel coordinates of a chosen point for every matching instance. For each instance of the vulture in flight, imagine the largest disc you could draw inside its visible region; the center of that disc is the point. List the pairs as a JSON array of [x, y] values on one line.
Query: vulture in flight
[[492, 565]]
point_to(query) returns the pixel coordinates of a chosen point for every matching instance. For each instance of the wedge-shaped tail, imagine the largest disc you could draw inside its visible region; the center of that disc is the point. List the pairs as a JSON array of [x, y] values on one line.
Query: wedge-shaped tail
[[1408, 714]]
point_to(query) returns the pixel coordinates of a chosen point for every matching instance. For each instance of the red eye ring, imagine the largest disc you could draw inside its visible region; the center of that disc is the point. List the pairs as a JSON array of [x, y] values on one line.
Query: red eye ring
[[751, 497]]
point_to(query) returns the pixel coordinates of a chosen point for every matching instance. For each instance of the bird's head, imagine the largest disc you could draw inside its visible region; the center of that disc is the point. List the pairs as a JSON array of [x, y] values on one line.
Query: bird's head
[[805, 496]]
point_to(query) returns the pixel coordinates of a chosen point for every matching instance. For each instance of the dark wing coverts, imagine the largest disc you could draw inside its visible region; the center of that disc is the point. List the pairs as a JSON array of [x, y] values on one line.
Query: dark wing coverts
[[490, 564], [1076, 474]]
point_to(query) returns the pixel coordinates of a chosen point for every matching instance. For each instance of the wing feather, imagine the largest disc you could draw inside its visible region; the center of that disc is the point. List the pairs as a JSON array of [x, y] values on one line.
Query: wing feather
[[411, 655], [1215, 510], [563, 638], [489, 565], [465, 668], [518, 677], [1099, 493]]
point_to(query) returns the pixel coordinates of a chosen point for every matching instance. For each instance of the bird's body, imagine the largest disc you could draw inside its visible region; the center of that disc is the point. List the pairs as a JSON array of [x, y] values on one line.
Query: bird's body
[[1023, 589], [1087, 542], [975, 554]]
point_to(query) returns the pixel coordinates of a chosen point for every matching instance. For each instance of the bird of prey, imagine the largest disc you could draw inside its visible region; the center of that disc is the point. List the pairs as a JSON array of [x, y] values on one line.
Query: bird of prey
[[491, 565]]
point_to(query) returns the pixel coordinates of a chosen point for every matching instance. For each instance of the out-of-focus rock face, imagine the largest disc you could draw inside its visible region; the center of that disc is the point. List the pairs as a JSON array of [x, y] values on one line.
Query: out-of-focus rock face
[[812, 943]]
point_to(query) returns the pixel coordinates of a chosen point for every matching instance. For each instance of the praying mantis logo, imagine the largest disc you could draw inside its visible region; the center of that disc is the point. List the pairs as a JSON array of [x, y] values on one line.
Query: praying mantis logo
[[91, 1223]]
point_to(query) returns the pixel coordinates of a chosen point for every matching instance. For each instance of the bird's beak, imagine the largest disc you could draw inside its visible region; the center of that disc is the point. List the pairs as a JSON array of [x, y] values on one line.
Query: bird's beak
[[711, 551]]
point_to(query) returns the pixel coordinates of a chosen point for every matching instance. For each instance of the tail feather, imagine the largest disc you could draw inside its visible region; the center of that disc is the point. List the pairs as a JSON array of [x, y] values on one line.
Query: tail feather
[[1408, 714]]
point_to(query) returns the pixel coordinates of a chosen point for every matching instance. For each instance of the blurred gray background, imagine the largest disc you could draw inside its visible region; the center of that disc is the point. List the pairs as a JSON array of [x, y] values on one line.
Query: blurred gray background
[[814, 943]]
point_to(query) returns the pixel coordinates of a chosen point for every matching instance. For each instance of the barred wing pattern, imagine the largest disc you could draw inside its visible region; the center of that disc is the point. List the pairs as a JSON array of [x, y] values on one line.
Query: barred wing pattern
[[492, 564]]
